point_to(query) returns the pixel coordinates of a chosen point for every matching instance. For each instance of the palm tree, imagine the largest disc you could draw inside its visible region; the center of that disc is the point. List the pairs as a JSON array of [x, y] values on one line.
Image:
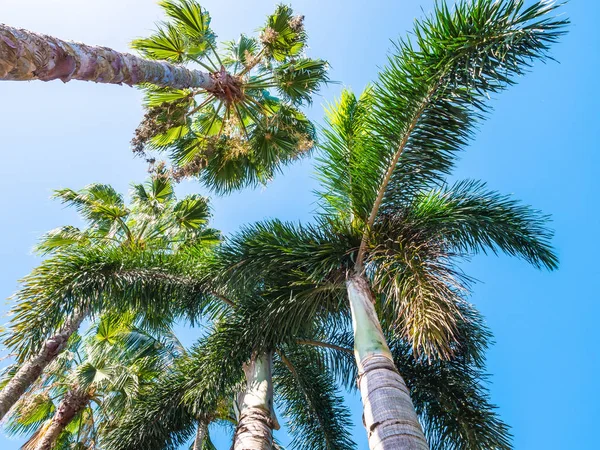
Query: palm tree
[[224, 368], [88, 387], [392, 229], [233, 125], [449, 396], [155, 222]]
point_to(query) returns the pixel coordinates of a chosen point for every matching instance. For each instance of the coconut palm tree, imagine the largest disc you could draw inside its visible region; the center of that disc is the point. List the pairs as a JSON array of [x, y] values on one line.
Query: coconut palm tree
[[88, 387], [233, 123], [155, 222], [392, 228]]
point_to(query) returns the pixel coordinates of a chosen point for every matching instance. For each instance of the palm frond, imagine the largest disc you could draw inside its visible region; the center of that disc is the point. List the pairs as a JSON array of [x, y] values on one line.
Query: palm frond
[[471, 218], [452, 401], [434, 89], [98, 279], [347, 162], [308, 398], [298, 80], [283, 36], [62, 237], [166, 44]]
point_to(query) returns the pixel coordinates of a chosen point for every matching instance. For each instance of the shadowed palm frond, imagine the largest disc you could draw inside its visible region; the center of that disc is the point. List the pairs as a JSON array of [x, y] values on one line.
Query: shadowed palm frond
[[309, 400]]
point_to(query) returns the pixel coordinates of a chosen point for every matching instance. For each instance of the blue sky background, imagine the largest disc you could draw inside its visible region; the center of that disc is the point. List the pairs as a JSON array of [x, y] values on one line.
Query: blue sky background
[[541, 143]]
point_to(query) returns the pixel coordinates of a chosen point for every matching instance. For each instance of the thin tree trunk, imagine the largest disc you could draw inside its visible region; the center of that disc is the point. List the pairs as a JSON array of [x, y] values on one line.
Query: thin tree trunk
[[30, 56], [31, 369], [201, 433], [388, 412], [257, 417], [73, 403]]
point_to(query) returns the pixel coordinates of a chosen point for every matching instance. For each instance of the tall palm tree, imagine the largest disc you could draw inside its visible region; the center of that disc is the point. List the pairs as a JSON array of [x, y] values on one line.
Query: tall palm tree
[[450, 399], [233, 124], [449, 395], [225, 366], [88, 387], [155, 222], [392, 229]]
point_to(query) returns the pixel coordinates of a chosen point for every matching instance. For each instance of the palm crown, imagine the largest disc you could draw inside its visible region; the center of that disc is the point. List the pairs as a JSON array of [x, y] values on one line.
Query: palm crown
[[387, 209], [143, 244], [108, 368], [154, 220], [243, 128]]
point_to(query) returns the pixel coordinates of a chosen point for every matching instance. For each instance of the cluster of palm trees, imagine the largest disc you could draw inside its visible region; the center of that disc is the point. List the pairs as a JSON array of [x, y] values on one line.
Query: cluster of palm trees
[[368, 293]]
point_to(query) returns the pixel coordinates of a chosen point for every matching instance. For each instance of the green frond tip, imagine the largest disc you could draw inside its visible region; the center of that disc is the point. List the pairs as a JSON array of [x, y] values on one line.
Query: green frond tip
[[436, 86], [283, 36], [166, 44], [472, 218]]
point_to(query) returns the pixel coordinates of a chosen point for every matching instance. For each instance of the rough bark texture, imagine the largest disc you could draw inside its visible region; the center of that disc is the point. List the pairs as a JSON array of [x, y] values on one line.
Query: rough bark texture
[[257, 417], [73, 403], [29, 372], [30, 56], [200, 435], [388, 413]]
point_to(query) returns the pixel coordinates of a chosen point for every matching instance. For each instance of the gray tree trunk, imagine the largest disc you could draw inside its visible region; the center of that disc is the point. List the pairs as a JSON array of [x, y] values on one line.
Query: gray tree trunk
[[388, 412], [72, 404], [30, 56], [31, 369], [257, 418], [201, 434]]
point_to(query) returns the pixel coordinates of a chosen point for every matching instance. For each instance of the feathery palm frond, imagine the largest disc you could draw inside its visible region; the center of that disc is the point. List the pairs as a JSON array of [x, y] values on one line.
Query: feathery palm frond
[[308, 398], [467, 217], [99, 279], [429, 97], [348, 162]]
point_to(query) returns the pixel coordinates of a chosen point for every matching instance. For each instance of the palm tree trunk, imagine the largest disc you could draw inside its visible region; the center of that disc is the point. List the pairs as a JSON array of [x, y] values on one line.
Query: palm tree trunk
[[73, 403], [257, 417], [30, 56], [388, 412], [29, 372], [200, 435]]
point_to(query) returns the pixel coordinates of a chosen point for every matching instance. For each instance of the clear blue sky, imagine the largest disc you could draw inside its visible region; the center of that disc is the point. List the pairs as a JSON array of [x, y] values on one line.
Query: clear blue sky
[[542, 143]]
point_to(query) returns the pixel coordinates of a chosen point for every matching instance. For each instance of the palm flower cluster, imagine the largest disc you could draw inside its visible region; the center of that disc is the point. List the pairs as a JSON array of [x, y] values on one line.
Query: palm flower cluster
[[247, 124]]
